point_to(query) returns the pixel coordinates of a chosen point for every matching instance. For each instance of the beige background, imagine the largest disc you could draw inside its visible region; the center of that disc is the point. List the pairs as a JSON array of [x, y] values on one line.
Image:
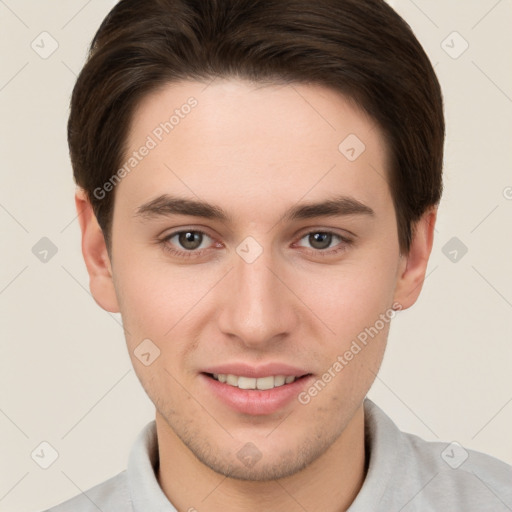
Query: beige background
[[65, 376]]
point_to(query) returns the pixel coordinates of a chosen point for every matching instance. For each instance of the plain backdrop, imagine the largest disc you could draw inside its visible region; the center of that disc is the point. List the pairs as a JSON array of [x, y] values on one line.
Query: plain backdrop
[[65, 375]]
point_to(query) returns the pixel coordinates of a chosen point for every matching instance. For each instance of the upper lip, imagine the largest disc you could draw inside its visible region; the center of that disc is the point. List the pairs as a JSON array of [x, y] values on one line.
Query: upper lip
[[263, 370]]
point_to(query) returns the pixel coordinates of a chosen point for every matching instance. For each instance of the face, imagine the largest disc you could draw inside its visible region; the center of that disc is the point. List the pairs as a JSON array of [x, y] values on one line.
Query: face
[[291, 257]]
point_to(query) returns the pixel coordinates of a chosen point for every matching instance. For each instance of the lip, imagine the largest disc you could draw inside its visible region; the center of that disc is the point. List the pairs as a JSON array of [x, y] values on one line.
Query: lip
[[264, 370], [256, 402]]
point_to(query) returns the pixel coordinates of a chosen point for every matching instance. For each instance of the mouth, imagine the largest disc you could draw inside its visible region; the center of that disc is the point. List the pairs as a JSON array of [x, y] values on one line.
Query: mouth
[[256, 390], [253, 383]]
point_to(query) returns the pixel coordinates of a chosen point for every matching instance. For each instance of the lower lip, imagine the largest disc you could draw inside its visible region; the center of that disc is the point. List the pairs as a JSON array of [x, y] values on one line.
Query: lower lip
[[255, 402]]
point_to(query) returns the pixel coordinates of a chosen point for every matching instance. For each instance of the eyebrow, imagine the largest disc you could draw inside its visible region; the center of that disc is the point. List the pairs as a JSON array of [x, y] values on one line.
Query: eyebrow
[[166, 205]]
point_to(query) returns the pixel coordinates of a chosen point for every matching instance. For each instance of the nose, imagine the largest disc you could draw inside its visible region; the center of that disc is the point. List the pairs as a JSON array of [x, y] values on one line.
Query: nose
[[258, 308]]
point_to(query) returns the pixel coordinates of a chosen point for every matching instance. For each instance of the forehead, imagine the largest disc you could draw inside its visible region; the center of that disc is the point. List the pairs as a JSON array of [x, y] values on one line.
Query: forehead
[[270, 141]]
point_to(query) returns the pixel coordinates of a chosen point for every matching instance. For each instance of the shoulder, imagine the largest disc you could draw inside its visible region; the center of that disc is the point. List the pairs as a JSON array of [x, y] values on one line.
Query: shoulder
[[467, 478], [135, 488], [410, 474], [112, 495]]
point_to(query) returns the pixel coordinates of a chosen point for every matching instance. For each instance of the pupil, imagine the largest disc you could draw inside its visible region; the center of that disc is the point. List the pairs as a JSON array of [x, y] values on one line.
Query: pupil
[[189, 239], [320, 240]]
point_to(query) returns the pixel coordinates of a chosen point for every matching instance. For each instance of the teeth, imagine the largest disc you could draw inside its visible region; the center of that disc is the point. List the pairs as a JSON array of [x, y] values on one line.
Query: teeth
[[252, 383], [279, 380], [246, 383], [264, 382], [232, 380]]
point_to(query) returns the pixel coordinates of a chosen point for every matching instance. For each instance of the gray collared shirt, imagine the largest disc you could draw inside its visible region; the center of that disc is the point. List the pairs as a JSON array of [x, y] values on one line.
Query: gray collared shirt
[[405, 474]]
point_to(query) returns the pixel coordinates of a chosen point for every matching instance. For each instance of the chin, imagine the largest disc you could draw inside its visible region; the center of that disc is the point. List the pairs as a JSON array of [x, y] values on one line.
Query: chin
[[259, 472], [248, 463]]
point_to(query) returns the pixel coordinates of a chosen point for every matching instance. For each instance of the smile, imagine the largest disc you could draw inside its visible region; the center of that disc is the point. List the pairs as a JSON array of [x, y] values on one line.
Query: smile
[[261, 393], [261, 383]]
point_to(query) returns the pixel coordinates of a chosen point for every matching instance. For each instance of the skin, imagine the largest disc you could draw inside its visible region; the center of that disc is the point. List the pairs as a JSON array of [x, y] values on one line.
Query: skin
[[256, 151]]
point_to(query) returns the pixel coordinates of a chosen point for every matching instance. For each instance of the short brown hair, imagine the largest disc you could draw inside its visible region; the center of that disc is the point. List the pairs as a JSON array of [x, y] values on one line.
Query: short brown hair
[[360, 48]]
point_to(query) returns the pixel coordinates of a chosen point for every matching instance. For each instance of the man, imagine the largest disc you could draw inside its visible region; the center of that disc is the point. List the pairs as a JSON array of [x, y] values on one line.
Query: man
[[258, 188]]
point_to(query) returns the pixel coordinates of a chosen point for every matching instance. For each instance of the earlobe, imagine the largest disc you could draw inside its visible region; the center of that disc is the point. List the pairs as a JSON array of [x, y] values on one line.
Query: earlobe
[[95, 255], [413, 266]]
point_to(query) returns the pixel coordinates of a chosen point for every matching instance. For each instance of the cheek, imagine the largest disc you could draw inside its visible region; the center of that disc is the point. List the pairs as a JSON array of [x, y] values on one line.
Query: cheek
[[163, 302], [150, 299], [350, 297]]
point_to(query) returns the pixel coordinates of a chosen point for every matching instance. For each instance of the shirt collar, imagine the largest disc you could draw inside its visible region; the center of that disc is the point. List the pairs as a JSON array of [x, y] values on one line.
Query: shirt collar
[[146, 493], [382, 441]]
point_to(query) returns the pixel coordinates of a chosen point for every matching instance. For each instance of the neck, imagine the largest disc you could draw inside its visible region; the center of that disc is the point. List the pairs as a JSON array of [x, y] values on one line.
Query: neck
[[330, 483]]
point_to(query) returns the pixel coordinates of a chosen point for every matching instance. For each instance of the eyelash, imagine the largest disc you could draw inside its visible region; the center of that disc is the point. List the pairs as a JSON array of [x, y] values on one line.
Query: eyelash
[[164, 242]]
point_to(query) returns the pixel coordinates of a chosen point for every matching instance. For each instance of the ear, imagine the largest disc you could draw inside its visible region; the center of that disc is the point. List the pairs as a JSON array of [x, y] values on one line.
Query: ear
[[413, 266], [95, 254]]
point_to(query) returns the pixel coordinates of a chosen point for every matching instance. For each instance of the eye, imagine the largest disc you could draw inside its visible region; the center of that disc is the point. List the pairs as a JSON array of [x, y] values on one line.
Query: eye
[[191, 243], [190, 240], [186, 243], [320, 242]]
